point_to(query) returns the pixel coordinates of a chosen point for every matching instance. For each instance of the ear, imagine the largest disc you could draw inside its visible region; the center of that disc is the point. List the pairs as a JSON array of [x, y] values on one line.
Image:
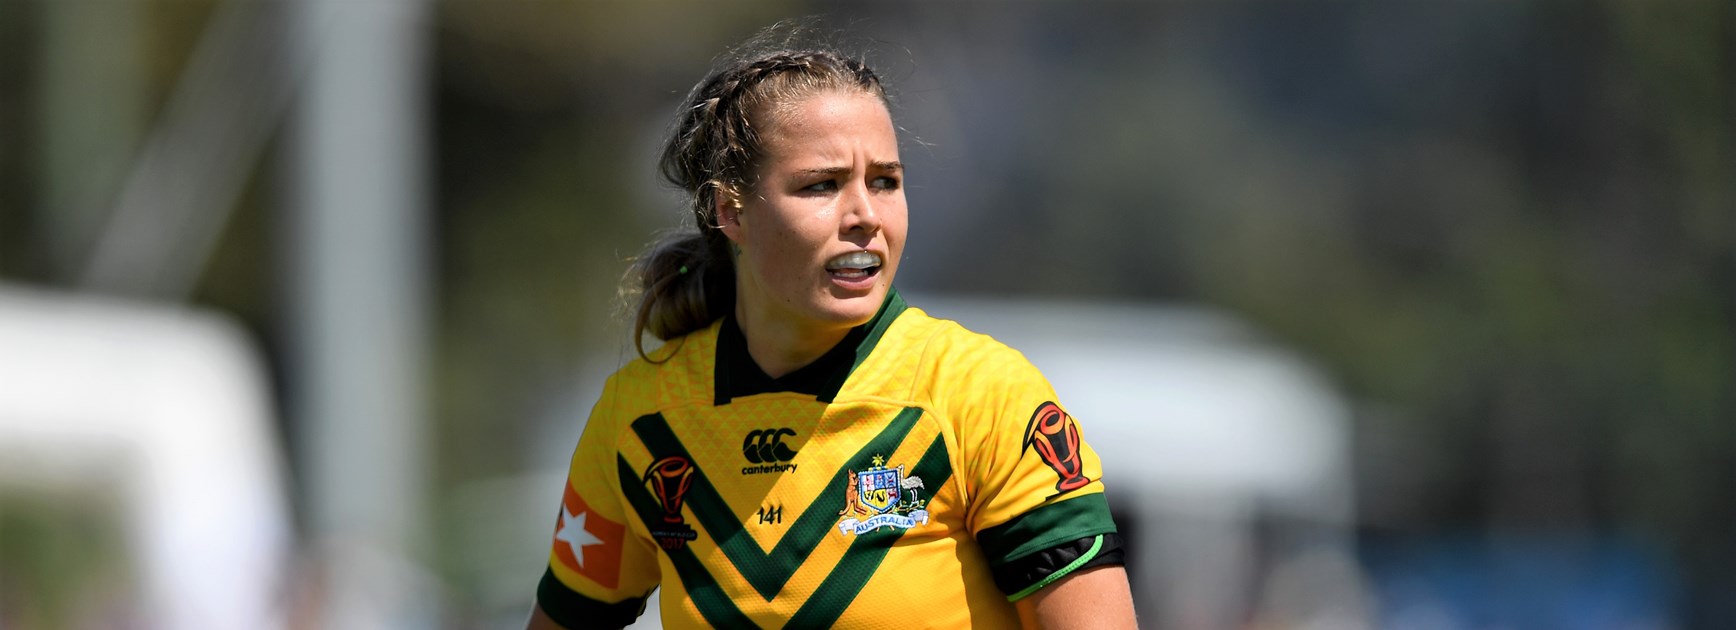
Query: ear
[[727, 208]]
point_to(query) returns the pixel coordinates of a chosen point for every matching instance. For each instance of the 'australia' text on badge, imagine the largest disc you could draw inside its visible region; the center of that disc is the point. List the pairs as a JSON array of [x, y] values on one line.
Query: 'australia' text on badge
[[881, 497]]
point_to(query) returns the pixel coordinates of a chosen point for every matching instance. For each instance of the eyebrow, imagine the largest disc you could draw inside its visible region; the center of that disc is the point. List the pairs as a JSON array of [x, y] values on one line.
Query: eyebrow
[[835, 170]]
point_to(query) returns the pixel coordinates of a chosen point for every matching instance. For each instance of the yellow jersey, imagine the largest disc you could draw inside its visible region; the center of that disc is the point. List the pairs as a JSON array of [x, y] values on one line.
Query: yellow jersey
[[917, 474]]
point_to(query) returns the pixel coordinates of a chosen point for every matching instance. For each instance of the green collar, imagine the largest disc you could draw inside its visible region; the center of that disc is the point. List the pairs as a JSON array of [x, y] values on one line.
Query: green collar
[[736, 375]]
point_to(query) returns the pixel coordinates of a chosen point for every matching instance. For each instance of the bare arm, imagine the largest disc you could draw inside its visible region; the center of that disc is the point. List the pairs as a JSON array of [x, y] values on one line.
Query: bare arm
[[1097, 597], [540, 620]]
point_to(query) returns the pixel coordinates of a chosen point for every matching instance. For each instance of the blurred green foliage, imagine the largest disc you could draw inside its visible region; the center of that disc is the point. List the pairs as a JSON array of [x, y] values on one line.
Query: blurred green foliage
[[1508, 229], [63, 560]]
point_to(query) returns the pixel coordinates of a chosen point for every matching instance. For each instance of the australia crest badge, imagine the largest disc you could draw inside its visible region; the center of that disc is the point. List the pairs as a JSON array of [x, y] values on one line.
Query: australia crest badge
[[881, 497]]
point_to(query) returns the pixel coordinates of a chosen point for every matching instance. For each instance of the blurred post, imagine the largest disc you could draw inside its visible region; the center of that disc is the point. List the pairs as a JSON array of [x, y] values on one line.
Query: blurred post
[[357, 229], [92, 106], [190, 172]]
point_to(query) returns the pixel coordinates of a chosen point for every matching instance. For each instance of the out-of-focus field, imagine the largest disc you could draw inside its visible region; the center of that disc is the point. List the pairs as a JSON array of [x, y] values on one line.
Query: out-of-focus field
[[1385, 315]]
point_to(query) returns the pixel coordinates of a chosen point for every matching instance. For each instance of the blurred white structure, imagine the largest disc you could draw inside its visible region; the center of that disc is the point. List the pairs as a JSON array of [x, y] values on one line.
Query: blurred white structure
[[167, 409], [1226, 457]]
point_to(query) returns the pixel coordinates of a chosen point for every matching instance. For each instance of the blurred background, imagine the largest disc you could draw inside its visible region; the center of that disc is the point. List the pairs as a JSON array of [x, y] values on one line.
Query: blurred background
[[1386, 315]]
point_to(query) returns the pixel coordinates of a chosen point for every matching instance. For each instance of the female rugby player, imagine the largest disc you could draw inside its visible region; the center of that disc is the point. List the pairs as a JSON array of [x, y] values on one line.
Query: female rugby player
[[806, 450]]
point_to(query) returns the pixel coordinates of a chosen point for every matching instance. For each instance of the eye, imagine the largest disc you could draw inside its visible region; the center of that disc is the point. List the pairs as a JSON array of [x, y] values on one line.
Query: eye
[[886, 183], [823, 186]]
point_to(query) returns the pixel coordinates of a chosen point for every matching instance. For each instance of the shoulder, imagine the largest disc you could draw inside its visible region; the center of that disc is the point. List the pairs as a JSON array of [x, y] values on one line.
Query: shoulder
[[946, 363], [916, 330], [677, 372], [965, 354]]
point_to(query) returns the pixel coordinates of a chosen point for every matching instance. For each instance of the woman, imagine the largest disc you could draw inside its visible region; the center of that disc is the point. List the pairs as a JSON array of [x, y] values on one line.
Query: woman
[[807, 450]]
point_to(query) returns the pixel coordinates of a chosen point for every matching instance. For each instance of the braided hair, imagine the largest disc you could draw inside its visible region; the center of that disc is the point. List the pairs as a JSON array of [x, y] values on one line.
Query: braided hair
[[685, 280]]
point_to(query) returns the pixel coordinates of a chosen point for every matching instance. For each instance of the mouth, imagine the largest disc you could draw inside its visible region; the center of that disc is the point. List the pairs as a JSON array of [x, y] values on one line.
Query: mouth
[[854, 265]]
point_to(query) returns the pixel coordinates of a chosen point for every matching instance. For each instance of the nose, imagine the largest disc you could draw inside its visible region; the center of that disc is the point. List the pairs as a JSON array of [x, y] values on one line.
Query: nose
[[858, 213]]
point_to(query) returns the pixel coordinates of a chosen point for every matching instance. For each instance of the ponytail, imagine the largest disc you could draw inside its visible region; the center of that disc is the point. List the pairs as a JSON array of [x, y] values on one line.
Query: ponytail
[[685, 281]]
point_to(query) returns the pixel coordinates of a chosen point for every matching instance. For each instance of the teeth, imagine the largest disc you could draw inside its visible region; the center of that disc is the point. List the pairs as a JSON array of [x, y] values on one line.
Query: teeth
[[854, 260]]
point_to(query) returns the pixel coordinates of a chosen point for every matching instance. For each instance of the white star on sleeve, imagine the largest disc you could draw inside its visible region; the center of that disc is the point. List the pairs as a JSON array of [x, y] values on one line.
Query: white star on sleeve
[[573, 533]]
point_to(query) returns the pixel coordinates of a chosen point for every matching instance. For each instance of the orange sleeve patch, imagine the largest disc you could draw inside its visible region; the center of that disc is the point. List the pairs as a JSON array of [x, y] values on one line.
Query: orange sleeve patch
[[587, 543]]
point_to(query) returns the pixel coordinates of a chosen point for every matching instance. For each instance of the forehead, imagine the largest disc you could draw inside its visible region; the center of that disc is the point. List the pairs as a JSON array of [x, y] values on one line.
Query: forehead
[[828, 117]]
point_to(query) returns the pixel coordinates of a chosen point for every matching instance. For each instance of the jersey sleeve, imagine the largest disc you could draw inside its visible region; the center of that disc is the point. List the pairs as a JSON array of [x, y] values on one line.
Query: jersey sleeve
[[1034, 484], [599, 574]]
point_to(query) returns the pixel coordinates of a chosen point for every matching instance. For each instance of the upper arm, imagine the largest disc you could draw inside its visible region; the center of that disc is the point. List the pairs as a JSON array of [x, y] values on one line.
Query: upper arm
[[540, 620], [1034, 485], [599, 572], [1093, 598]]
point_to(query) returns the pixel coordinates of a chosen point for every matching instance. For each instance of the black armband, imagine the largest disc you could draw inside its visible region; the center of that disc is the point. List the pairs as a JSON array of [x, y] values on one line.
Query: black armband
[[573, 610], [1048, 543], [1028, 574]]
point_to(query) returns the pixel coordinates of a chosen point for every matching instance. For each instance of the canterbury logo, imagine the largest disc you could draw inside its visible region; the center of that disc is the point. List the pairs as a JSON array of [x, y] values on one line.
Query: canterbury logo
[[767, 447]]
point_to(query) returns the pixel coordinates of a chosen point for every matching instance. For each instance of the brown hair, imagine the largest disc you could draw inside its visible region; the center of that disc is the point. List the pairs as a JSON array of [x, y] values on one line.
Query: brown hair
[[685, 280]]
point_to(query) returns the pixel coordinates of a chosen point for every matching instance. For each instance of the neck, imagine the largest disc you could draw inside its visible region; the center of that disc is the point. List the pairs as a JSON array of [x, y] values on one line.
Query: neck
[[780, 347]]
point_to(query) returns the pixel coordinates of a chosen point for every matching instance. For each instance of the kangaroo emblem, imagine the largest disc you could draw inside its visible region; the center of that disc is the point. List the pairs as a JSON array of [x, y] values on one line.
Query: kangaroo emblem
[[852, 498]]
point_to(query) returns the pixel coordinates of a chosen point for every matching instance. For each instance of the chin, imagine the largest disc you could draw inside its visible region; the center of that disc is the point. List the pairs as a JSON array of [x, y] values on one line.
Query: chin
[[852, 310]]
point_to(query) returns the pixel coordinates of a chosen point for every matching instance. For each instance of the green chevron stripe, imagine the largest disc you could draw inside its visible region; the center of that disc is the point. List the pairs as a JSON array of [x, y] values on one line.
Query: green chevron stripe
[[865, 554], [769, 572], [889, 311], [714, 604]]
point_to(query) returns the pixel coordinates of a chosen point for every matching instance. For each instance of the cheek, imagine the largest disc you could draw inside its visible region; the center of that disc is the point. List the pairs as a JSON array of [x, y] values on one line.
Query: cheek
[[896, 224], [780, 263], [797, 240]]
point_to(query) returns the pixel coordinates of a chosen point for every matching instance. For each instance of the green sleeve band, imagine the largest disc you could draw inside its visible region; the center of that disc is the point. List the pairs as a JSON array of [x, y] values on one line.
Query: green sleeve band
[[572, 610], [1045, 527]]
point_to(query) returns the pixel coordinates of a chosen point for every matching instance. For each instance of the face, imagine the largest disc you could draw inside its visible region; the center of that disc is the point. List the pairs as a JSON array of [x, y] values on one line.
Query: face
[[822, 231]]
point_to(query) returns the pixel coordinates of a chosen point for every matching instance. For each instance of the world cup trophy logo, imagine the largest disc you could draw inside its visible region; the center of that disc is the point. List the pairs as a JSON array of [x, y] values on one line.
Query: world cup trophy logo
[[669, 479], [1055, 437]]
